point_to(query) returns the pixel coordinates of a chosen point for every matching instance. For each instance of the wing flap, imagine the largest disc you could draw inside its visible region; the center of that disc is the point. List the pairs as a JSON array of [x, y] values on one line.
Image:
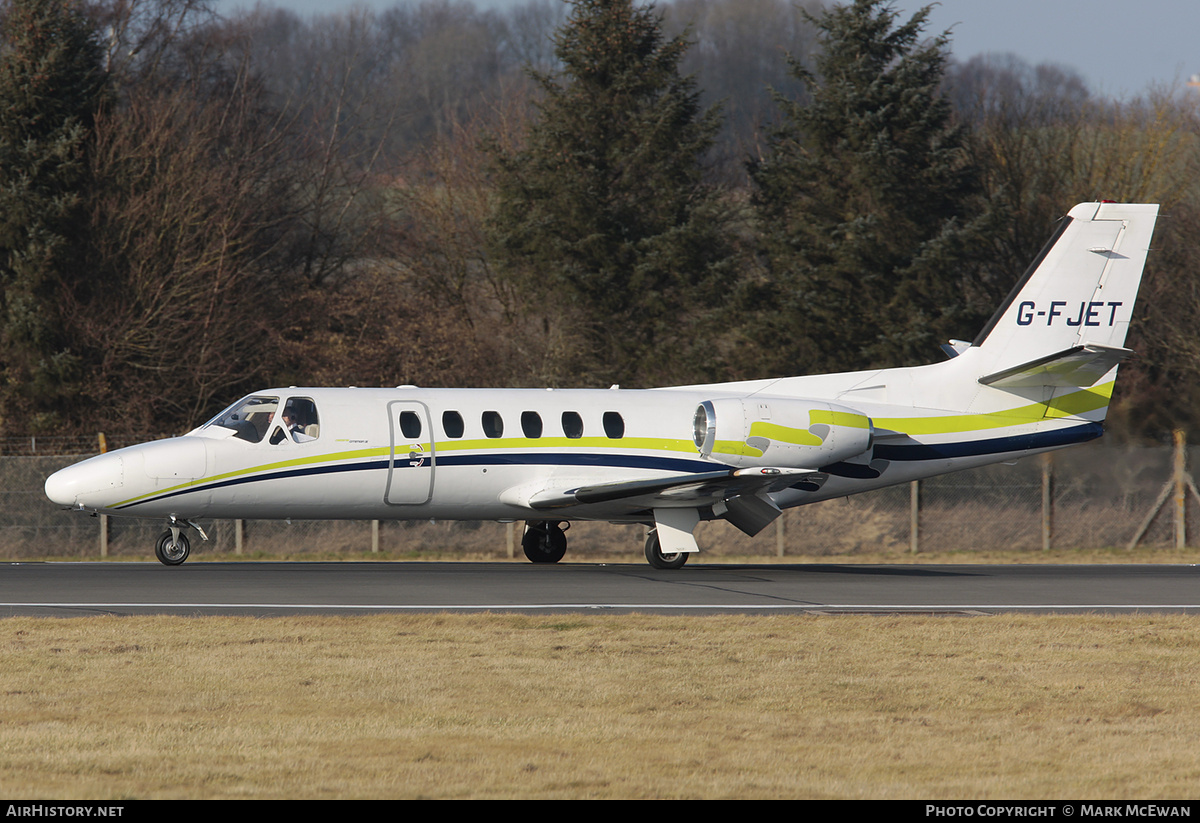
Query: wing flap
[[680, 490]]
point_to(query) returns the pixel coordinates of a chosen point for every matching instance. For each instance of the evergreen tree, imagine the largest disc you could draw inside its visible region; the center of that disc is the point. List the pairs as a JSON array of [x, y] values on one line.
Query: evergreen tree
[[51, 84], [604, 217], [867, 201]]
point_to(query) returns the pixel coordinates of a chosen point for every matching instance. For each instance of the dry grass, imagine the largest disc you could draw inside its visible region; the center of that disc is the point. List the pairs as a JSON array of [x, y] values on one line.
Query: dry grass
[[490, 706]]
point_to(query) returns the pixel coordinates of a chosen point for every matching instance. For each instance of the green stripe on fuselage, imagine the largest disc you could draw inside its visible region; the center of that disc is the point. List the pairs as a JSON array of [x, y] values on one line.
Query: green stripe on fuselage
[[1068, 405], [1060, 407], [312, 460]]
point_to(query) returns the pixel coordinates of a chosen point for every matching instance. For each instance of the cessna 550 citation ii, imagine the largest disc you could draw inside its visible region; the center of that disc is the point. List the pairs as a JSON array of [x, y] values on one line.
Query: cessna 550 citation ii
[[1038, 377]]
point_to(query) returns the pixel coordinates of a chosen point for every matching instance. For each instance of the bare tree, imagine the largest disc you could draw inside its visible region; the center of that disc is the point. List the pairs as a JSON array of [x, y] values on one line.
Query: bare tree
[[188, 226], [1043, 143]]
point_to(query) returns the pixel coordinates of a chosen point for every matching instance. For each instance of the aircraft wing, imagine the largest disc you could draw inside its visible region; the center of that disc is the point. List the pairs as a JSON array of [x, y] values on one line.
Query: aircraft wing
[[1079, 366], [681, 491]]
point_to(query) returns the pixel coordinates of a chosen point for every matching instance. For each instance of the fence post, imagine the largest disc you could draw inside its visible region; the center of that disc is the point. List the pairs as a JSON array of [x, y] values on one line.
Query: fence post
[[103, 441], [1047, 500], [239, 536], [780, 531], [510, 538], [374, 537], [914, 515], [1181, 482], [1179, 474]]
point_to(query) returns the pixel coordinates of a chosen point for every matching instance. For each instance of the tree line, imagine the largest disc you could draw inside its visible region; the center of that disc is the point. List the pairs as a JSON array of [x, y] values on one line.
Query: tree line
[[563, 194]]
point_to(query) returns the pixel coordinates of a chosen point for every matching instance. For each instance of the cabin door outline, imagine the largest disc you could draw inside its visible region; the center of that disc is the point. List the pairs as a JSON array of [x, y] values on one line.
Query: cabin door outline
[[412, 460]]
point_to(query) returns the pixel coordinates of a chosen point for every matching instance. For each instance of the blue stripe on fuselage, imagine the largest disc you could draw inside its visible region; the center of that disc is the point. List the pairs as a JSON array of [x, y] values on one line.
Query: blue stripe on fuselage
[[912, 452], [999, 445], [490, 459]]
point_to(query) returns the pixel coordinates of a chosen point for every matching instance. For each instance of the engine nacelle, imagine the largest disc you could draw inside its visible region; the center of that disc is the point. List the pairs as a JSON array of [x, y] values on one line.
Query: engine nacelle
[[779, 431]]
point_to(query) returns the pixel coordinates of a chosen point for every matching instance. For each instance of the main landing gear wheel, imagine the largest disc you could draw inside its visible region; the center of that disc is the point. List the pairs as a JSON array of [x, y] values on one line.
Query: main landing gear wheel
[[544, 542], [656, 558], [172, 548]]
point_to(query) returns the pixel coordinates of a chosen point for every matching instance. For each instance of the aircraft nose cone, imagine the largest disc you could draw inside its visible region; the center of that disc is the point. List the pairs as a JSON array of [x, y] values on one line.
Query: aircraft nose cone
[[85, 483], [62, 487]]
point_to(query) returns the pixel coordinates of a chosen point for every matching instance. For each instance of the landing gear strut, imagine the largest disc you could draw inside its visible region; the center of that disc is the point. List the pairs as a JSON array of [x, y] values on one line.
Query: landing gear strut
[[656, 558], [544, 541]]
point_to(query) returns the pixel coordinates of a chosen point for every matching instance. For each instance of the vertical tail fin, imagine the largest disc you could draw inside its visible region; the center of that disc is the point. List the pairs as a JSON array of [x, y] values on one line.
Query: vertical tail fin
[[1064, 324]]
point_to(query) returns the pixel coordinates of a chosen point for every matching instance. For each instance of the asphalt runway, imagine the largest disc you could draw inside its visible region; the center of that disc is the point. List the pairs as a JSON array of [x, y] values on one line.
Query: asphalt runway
[[288, 588]]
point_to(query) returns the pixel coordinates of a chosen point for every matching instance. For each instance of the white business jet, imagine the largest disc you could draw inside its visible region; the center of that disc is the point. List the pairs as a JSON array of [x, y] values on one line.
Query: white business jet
[[1038, 377]]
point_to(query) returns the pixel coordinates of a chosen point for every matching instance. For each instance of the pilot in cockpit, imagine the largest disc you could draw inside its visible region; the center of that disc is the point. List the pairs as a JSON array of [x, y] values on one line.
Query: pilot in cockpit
[[295, 426]]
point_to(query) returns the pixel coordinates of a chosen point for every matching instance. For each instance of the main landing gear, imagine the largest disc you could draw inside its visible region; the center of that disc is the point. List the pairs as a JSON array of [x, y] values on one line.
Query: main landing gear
[[173, 546], [544, 541], [656, 558]]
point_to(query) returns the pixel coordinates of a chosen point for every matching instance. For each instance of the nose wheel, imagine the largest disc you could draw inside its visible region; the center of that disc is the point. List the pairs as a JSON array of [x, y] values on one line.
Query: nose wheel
[[173, 547]]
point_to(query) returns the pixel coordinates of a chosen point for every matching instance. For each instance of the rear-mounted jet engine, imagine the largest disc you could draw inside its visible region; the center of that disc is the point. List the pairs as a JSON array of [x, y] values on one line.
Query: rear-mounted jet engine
[[779, 431]]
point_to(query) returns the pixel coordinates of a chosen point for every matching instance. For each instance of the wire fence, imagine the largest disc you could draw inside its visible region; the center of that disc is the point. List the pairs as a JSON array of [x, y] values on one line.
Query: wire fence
[[1091, 497]]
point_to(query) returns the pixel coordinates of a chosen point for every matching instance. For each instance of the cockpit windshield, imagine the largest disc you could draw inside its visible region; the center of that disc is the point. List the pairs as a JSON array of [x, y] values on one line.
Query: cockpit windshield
[[247, 418]]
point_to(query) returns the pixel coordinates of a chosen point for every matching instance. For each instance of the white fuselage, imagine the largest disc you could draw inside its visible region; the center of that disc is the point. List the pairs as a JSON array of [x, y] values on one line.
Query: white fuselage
[[363, 465]]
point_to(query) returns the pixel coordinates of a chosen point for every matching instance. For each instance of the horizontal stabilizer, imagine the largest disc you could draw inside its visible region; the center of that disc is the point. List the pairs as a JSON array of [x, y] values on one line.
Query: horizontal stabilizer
[[680, 490], [1078, 366]]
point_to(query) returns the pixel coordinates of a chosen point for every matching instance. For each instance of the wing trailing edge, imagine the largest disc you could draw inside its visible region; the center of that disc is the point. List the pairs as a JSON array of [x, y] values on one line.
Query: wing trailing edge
[[689, 491]]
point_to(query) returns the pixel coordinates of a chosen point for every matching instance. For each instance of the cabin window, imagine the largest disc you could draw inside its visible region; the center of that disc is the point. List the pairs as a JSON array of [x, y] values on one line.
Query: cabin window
[[300, 420], [614, 425], [452, 424], [410, 425], [572, 425], [493, 425], [248, 418], [531, 424]]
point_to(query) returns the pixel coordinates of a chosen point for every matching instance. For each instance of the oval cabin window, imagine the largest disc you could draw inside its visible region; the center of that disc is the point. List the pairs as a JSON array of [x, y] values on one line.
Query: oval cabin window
[[614, 425], [531, 424], [452, 424], [572, 425], [493, 424], [410, 425]]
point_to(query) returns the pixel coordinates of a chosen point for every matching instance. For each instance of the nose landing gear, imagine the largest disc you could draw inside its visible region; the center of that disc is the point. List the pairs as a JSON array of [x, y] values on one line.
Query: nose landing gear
[[173, 546]]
